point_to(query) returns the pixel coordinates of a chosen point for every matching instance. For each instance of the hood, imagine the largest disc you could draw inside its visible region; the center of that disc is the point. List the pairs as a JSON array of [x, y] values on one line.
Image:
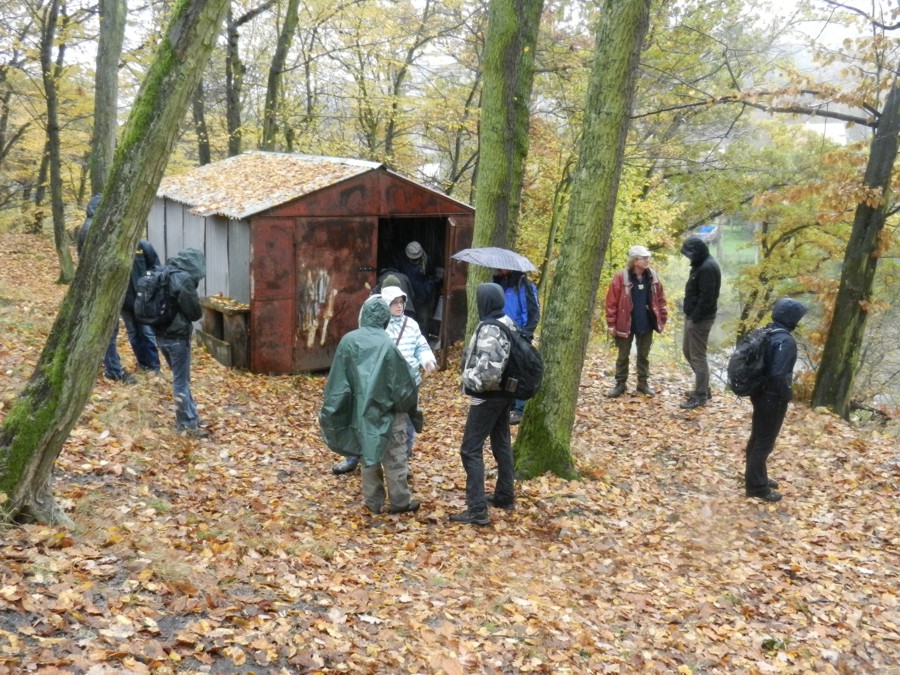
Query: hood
[[375, 313], [490, 301], [190, 260], [695, 249], [93, 205], [391, 293], [787, 312]]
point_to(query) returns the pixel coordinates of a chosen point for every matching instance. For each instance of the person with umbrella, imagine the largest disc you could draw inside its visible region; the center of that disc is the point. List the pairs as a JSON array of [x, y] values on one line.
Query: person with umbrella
[[523, 308]]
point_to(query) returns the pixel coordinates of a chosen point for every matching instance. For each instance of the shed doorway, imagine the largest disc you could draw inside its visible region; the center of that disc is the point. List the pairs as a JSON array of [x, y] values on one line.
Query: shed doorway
[[394, 234]]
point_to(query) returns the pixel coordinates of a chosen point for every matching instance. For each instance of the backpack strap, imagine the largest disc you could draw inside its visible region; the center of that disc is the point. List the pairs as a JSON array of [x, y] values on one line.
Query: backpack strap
[[402, 328]]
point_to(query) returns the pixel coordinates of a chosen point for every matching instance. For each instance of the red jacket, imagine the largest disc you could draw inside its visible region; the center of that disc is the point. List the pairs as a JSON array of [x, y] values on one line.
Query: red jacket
[[618, 303]]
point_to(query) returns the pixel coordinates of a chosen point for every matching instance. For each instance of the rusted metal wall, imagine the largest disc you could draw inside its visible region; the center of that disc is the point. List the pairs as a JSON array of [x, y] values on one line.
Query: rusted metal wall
[[272, 290]]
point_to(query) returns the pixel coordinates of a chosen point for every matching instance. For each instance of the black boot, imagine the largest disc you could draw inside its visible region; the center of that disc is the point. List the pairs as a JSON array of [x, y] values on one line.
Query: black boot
[[616, 391], [347, 465]]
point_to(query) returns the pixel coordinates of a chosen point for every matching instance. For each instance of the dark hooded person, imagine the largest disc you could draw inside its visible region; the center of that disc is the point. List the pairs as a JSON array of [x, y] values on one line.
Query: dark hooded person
[[770, 403], [188, 267], [369, 393], [483, 363], [701, 297]]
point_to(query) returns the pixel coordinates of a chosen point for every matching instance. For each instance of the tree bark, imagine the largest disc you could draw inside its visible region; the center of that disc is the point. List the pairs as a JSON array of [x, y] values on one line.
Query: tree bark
[[198, 109], [33, 432], [276, 71], [508, 67], [545, 434], [52, 70], [106, 90], [841, 355]]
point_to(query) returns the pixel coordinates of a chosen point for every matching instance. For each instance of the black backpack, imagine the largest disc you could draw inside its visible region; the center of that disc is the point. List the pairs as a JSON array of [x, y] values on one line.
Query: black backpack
[[153, 304], [747, 364], [524, 370]]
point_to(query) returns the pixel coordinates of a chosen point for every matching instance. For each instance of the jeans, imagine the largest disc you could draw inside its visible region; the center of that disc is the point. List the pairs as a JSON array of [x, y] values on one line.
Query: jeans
[[768, 416], [393, 466], [143, 341], [644, 342], [696, 341], [177, 352], [112, 364], [487, 417]]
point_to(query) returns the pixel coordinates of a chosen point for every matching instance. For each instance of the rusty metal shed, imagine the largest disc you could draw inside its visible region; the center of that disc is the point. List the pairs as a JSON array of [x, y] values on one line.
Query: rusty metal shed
[[300, 239]]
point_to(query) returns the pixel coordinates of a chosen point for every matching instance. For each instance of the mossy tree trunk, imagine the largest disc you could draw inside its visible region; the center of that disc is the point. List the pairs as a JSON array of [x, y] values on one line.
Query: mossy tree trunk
[[841, 355], [508, 64], [545, 434], [37, 425], [106, 90]]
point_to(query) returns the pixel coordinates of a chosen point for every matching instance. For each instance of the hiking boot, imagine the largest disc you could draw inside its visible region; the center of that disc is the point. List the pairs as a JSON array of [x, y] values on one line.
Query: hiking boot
[[616, 391], [694, 402], [409, 508], [125, 377], [345, 466], [645, 390], [773, 484], [470, 517], [690, 393], [505, 505], [770, 496], [515, 417]]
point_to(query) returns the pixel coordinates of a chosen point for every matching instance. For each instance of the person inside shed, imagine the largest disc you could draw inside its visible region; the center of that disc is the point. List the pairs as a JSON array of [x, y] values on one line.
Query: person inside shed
[[417, 266], [391, 277], [370, 391], [415, 349], [523, 308]]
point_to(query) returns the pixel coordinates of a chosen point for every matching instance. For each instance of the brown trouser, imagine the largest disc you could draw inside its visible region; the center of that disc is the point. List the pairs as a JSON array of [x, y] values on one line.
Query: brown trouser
[[696, 340], [394, 468], [644, 342]]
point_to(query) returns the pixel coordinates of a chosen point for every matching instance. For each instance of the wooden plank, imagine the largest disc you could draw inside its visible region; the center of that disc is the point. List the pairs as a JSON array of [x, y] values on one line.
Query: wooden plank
[[219, 349], [235, 334]]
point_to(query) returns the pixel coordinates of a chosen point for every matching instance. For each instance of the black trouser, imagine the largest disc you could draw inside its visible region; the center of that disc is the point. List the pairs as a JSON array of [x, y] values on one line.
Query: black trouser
[[768, 416], [487, 417]]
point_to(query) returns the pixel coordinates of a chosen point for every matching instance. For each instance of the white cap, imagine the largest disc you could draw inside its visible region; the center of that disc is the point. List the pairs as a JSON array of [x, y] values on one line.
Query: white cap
[[391, 293], [638, 251]]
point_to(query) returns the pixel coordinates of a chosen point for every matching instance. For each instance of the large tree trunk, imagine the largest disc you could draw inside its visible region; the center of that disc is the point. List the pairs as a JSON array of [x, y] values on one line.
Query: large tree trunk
[[39, 421], [276, 72], [52, 71], [508, 65], [544, 437], [840, 357], [106, 90]]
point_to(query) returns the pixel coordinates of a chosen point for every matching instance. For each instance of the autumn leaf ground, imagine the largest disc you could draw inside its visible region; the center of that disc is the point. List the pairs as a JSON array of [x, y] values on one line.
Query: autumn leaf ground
[[244, 554]]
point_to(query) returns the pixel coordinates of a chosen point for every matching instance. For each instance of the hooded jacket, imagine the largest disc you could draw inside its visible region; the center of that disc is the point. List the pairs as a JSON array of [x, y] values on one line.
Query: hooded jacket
[[412, 344], [145, 259], [781, 350], [485, 358], [188, 267], [619, 303], [90, 210], [368, 383], [701, 293]]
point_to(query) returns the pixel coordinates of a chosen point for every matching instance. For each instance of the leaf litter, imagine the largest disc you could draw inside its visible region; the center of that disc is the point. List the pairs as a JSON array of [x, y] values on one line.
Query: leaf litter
[[244, 554]]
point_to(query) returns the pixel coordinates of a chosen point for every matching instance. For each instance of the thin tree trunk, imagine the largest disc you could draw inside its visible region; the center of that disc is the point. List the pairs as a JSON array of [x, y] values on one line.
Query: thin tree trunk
[[276, 72], [51, 73], [543, 443], [840, 357], [34, 430], [198, 109], [106, 90]]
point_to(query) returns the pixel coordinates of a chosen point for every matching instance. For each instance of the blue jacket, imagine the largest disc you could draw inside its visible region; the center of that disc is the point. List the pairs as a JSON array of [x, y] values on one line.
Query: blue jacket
[[521, 303]]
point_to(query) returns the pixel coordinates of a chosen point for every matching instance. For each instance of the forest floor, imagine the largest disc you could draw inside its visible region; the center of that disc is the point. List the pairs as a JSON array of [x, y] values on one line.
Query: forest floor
[[242, 553]]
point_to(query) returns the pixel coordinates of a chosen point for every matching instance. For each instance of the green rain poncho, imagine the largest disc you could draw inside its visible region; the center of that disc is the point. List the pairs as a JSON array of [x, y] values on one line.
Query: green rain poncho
[[369, 382]]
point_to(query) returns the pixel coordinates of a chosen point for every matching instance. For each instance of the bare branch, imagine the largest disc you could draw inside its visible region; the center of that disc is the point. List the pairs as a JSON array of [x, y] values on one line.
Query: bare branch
[[877, 24]]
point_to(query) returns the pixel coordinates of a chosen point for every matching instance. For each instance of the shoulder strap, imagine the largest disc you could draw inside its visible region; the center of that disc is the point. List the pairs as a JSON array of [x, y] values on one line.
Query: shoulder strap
[[402, 328]]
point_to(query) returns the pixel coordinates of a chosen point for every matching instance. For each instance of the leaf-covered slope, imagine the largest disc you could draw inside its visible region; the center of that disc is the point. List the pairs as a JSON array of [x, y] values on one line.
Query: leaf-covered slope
[[243, 553]]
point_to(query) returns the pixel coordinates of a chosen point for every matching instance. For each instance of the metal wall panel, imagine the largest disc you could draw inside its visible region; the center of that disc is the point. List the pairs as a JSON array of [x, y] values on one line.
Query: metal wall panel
[[156, 227], [217, 256], [174, 229], [195, 237], [239, 260], [272, 306]]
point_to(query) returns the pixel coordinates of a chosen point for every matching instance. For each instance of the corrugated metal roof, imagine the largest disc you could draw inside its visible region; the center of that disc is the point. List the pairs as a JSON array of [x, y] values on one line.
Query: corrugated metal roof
[[251, 182]]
